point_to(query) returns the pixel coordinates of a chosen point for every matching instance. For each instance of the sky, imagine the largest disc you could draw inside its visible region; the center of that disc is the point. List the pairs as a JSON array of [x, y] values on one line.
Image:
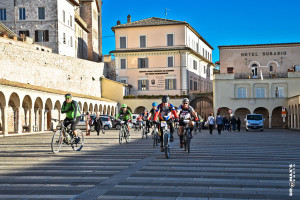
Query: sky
[[219, 22]]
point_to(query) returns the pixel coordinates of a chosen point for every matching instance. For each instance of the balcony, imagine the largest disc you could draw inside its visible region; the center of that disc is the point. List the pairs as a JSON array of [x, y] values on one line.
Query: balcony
[[265, 76]]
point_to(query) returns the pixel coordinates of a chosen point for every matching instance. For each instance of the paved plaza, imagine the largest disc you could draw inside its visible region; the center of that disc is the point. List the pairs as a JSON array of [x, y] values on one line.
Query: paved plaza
[[236, 165]]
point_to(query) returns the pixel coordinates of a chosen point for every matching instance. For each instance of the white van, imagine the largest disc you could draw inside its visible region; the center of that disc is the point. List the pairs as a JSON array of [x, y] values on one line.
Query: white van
[[254, 121], [134, 117]]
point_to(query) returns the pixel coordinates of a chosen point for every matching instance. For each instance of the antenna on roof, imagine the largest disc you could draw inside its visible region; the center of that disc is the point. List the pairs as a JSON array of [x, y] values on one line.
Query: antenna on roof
[[166, 13]]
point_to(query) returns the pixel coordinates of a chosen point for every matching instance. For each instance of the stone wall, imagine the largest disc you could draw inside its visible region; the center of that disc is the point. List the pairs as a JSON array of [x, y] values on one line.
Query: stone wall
[[19, 62]]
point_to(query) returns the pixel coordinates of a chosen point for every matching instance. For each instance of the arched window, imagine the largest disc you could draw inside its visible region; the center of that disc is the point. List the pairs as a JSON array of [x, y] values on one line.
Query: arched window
[[271, 68], [254, 70]]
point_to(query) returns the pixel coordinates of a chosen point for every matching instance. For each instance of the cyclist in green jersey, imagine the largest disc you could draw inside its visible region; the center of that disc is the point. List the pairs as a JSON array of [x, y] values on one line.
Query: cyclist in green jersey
[[126, 114], [72, 110]]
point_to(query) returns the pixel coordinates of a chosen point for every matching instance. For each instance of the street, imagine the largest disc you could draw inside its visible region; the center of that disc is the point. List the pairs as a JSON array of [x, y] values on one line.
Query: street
[[235, 165]]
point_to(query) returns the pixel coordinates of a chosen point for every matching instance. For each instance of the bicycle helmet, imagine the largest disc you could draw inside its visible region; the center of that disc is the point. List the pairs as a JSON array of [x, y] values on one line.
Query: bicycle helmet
[[154, 104], [124, 106], [165, 99], [186, 100], [68, 96]]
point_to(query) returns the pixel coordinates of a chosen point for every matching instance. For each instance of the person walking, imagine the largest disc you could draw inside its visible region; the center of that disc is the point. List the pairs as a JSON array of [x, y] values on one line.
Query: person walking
[[88, 121], [238, 122], [233, 122], [98, 124], [219, 122], [226, 124], [211, 122]]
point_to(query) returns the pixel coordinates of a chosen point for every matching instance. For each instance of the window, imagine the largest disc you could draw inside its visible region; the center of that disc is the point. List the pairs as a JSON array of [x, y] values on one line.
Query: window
[[2, 14], [230, 70], [279, 92], [254, 70], [143, 41], [260, 92], [142, 62], [71, 21], [122, 42], [170, 39], [170, 84], [197, 47], [195, 65], [203, 52], [191, 85], [41, 13], [271, 68], [64, 16], [170, 61], [123, 63], [143, 84], [204, 69], [242, 92], [195, 85], [71, 41], [124, 81], [22, 15], [64, 38], [41, 35]]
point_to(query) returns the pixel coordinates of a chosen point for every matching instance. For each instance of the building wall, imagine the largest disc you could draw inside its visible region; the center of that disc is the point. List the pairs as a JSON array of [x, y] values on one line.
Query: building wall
[[112, 90], [27, 65], [81, 42]]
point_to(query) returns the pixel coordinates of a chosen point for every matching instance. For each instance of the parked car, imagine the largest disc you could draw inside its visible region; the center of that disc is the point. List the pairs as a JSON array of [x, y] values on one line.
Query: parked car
[[254, 121]]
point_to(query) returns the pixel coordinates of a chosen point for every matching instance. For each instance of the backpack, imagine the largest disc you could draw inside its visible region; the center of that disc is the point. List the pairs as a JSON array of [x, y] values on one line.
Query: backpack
[[75, 104]]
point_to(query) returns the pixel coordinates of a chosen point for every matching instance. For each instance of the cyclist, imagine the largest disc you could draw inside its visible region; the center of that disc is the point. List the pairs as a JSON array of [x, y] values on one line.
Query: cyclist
[[72, 110], [183, 110], [127, 115], [164, 109], [152, 113]]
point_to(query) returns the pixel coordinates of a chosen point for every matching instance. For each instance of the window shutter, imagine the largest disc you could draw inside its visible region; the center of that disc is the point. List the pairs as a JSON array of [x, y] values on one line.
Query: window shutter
[[123, 42], [170, 40], [146, 62], [139, 84], [139, 63], [174, 84], [167, 84], [24, 14], [147, 84], [36, 36], [47, 36]]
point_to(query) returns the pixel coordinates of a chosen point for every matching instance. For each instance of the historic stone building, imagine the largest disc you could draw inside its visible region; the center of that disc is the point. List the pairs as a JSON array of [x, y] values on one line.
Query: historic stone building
[[33, 83], [59, 24], [261, 78]]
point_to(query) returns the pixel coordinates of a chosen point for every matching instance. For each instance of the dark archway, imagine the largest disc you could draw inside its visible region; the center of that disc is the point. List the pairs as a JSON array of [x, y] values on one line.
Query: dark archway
[[139, 109], [265, 113], [277, 121], [202, 105], [242, 113]]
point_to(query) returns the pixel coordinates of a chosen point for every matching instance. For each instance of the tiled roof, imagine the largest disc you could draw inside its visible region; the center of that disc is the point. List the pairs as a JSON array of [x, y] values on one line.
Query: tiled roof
[[260, 45], [4, 28], [153, 21], [50, 90]]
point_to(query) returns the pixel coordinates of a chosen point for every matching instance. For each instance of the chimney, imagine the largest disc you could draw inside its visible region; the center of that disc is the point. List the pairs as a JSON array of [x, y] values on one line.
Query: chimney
[[128, 19], [118, 22]]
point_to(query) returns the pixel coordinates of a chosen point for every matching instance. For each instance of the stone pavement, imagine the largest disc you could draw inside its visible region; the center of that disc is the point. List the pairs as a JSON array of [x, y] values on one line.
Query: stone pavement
[[239, 165]]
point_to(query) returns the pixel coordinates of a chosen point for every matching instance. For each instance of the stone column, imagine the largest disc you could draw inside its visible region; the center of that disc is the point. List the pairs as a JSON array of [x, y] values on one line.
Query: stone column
[[270, 121], [20, 127], [5, 119], [31, 120], [292, 121], [295, 122], [42, 120]]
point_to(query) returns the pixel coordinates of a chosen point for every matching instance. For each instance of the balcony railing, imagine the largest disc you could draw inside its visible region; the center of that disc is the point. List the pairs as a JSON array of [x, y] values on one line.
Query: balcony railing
[[265, 76]]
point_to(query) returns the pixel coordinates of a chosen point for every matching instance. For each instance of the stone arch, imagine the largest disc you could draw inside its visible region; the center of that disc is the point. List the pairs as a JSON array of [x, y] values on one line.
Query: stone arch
[[112, 111], [295, 117], [2, 105], [265, 113], [85, 108], [139, 109], [104, 110], [277, 121], [129, 109], [91, 108], [14, 113], [108, 110], [48, 111], [242, 113], [38, 114], [272, 65], [202, 105], [26, 112], [101, 109], [224, 112], [96, 109], [80, 105], [56, 113]]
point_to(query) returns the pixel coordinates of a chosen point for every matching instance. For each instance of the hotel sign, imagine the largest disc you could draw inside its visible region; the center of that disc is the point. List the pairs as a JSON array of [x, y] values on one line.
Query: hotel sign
[[266, 53], [156, 72]]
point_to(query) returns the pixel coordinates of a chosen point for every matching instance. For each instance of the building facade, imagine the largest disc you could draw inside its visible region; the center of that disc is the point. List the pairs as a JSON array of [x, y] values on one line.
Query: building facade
[[56, 24], [260, 79], [161, 56]]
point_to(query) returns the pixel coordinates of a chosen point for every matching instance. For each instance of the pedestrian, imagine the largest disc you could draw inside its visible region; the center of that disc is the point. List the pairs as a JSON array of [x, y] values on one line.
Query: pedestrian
[[211, 122], [238, 122], [219, 122], [98, 124], [233, 123], [205, 120], [226, 124], [88, 121]]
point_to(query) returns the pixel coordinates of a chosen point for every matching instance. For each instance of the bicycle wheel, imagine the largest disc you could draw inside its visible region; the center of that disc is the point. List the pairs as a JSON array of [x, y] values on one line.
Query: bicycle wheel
[[121, 135], [188, 142], [166, 146], [184, 141], [154, 138], [79, 145], [127, 138], [56, 142], [143, 133]]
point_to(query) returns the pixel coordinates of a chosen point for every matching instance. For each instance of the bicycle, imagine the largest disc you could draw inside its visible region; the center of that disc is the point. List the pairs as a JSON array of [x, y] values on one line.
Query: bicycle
[[144, 130], [155, 137], [167, 135], [187, 133], [124, 133], [58, 138]]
